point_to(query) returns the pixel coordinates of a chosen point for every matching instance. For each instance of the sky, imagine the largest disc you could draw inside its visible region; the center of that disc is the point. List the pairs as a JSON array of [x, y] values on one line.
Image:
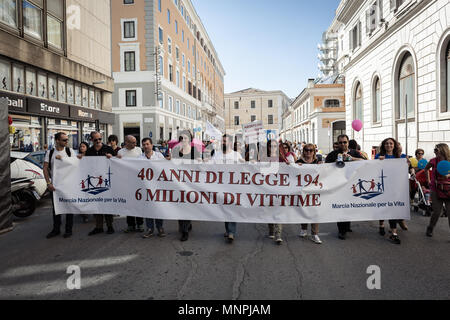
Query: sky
[[267, 44]]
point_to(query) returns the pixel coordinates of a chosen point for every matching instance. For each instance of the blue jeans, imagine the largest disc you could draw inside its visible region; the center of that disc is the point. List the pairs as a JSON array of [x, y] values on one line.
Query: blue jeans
[[151, 223], [230, 227]]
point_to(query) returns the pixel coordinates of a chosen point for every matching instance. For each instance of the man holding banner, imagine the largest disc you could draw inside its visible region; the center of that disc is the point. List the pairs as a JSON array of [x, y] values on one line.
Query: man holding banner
[[347, 155], [228, 156], [149, 154]]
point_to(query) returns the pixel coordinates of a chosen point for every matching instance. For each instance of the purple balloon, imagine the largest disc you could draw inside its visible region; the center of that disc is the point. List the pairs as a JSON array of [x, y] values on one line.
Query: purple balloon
[[357, 125]]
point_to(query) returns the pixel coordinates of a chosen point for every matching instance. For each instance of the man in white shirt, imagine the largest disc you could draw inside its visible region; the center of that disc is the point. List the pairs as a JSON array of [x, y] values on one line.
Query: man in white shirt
[[131, 151], [58, 153], [228, 156], [149, 154]]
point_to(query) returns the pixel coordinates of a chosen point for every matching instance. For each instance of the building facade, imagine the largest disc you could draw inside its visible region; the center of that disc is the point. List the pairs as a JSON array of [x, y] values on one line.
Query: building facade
[[396, 59], [55, 72], [168, 76], [317, 115], [249, 105]]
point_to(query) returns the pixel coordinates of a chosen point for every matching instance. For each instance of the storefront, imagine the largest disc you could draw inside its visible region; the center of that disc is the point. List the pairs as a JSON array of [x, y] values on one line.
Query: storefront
[[36, 121]]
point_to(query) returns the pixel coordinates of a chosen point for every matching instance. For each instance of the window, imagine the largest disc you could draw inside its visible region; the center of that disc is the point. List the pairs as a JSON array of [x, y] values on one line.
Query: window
[[270, 104], [170, 72], [161, 35], [183, 60], [236, 104], [159, 5], [128, 1], [376, 100], [395, 4], [168, 16], [252, 118], [8, 12], [406, 88], [189, 66], [18, 79], [178, 107], [184, 109], [253, 105], [32, 19], [176, 26], [61, 90], [190, 88], [373, 16], [35, 17], [169, 45], [270, 119], [355, 36], [161, 100], [184, 83], [31, 87], [182, 35], [446, 107], [170, 104], [332, 103], [358, 103], [178, 79], [130, 61], [53, 89], [188, 43], [236, 120], [5, 75], [128, 29], [161, 65], [177, 53], [444, 75]]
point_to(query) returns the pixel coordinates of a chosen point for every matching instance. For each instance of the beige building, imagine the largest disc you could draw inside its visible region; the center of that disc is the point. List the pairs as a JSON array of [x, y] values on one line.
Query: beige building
[[245, 106], [168, 76], [317, 115], [55, 69]]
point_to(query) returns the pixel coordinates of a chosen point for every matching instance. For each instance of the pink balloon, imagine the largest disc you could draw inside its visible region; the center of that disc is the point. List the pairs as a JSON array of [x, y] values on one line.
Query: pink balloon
[[357, 125]]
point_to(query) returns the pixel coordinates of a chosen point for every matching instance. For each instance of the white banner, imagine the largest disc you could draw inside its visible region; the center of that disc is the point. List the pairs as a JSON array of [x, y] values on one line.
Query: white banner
[[253, 193], [213, 132]]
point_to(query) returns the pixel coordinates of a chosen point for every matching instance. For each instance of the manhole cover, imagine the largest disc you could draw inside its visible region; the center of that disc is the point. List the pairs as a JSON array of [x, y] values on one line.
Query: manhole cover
[[185, 253]]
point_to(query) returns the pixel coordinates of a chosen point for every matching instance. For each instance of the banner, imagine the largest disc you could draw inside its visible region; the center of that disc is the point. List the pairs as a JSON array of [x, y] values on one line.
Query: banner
[[253, 193], [213, 132]]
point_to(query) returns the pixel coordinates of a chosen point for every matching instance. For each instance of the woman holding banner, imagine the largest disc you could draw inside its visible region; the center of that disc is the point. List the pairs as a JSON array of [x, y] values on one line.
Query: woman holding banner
[[439, 184], [275, 153], [309, 156], [391, 149], [187, 153]]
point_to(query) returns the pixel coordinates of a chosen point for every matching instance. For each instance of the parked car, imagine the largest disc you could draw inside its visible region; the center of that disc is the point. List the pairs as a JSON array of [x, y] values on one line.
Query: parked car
[[37, 158], [22, 168]]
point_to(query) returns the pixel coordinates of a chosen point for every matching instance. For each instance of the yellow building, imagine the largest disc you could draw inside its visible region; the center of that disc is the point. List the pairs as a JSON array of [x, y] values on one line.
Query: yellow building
[[168, 76]]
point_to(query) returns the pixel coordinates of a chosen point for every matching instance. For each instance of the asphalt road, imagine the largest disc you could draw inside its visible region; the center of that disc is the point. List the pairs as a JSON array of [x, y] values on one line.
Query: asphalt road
[[125, 266]]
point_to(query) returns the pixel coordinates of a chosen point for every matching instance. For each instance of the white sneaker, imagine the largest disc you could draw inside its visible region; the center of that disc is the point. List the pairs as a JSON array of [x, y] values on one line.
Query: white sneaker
[[316, 239], [303, 233]]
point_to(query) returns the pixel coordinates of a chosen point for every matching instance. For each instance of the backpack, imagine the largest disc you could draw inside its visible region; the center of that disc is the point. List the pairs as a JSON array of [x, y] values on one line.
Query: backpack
[[51, 155]]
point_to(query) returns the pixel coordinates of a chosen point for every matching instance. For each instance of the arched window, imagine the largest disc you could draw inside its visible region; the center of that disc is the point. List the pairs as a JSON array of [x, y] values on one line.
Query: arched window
[[358, 103], [332, 103], [376, 94], [446, 107], [406, 94]]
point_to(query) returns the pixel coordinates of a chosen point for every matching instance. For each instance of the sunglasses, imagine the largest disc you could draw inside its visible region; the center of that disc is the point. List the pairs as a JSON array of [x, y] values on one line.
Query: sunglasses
[[308, 150], [420, 154], [65, 140], [99, 139], [343, 142]]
